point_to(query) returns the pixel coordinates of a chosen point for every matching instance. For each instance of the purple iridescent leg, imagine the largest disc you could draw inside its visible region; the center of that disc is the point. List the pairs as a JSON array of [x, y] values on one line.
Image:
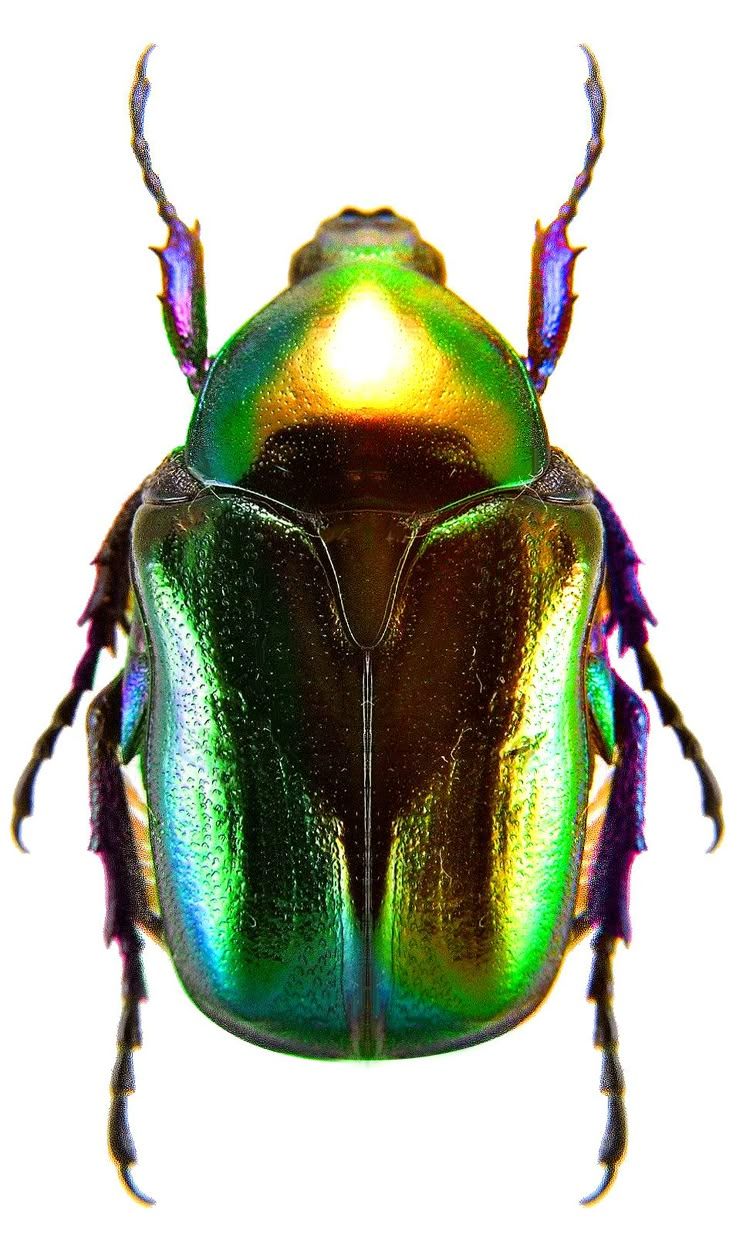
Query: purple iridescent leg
[[621, 839], [622, 836], [112, 834], [182, 258], [126, 908], [553, 258], [105, 611], [630, 615]]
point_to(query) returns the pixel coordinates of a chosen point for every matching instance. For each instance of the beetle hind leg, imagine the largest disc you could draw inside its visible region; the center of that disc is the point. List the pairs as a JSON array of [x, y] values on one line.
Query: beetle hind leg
[[122, 1081], [600, 991], [621, 839], [127, 910]]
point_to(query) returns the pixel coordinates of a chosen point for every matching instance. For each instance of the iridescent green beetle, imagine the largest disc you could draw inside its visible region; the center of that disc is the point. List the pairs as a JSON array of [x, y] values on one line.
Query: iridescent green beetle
[[367, 677]]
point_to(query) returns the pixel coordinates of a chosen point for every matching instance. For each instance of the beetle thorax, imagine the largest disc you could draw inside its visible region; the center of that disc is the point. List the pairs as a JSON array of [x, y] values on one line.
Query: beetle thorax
[[367, 383]]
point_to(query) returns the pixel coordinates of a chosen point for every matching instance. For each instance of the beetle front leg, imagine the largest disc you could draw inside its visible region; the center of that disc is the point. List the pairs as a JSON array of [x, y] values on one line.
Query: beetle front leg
[[105, 610], [182, 258], [551, 298], [127, 909]]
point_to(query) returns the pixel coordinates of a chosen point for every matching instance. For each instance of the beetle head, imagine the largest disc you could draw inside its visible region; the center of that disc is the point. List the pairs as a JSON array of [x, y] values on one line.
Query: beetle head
[[364, 235]]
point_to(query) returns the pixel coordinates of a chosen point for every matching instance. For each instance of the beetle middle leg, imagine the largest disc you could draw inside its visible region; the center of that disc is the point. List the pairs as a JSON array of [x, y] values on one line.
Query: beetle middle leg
[[630, 614], [105, 610], [127, 908]]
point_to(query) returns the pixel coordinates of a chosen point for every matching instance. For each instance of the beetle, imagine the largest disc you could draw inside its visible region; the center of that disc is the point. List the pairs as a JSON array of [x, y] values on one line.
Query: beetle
[[367, 673]]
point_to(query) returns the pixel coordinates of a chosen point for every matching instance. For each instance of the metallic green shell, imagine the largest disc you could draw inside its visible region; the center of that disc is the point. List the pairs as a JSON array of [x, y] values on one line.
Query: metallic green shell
[[367, 762], [364, 346]]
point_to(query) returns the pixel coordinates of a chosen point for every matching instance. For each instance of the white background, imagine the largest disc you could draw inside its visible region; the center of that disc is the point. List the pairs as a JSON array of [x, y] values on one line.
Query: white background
[[472, 122]]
